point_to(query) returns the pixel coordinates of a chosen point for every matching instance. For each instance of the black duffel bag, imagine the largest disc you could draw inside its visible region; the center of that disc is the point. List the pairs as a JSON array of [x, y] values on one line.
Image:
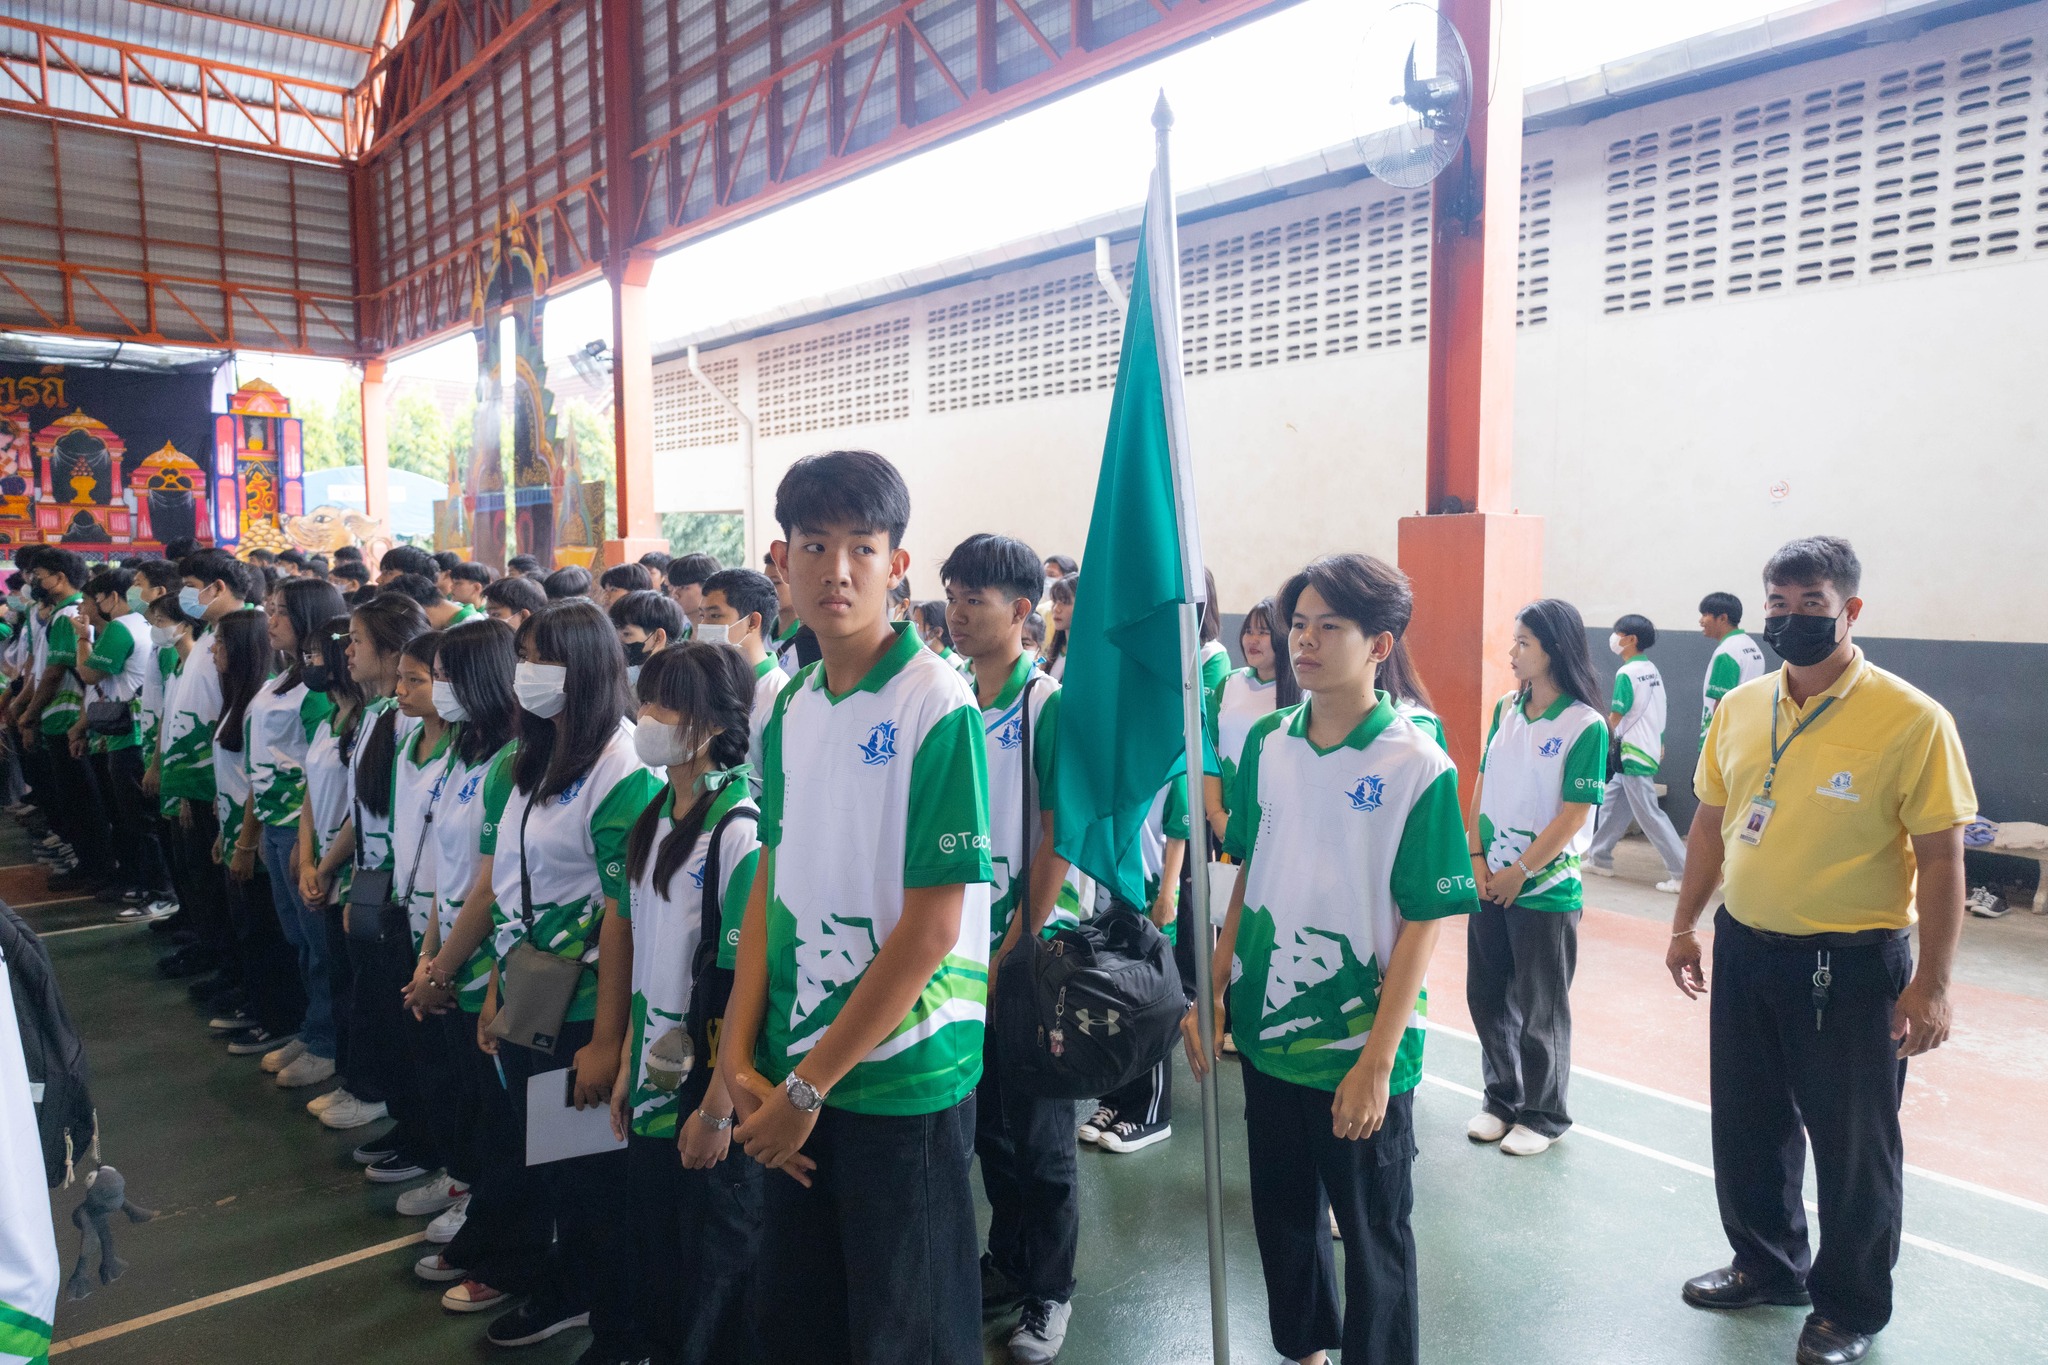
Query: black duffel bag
[[1088, 1010]]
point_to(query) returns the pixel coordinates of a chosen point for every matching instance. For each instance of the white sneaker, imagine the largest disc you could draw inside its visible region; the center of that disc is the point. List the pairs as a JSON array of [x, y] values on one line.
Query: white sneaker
[[306, 1069], [434, 1269], [274, 1062], [443, 1229], [437, 1194], [1040, 1333], [1598, 869], [1487, 1126], [320, 1104], [1522, 1141], [1670, 885], [352, 1113]]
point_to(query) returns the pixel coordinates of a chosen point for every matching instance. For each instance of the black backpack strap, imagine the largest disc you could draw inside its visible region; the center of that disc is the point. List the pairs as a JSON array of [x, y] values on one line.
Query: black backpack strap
[[525, 878], [1029, 780], [709, 902]]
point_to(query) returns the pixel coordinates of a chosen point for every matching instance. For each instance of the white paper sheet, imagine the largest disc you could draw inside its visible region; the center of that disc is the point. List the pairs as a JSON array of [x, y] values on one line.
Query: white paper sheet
[[555, 1129]]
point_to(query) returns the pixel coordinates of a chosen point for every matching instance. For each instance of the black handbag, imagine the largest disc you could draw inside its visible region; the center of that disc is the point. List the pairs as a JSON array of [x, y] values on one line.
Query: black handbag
[[109, 718], [1089, 1010], [374, 916]]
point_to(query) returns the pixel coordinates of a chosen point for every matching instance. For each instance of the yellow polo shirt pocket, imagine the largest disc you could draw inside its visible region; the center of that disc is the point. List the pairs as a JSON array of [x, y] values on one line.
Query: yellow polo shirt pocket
[[1841, 780]]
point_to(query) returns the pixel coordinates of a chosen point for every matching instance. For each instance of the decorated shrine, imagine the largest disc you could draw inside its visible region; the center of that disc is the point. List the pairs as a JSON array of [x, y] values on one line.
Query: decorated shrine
[[256, 470]]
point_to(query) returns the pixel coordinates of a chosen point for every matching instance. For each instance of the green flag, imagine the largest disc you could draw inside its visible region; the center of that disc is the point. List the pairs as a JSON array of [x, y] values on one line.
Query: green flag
[[1121, 730]]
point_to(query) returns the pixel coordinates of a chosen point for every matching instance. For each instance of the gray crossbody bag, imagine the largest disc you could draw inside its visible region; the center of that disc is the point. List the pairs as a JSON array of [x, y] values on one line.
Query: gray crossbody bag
[[535, 986]]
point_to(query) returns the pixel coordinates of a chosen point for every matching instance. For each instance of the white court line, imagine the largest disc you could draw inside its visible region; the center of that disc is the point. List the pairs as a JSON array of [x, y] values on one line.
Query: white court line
[[1953, 1182], [88, 928], [1911, 1239], [93, 1338]]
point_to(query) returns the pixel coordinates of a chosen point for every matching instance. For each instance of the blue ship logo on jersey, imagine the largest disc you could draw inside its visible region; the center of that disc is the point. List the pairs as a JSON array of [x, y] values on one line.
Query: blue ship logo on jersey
[[1841, 782], [574, 787], [1552, 747], [880, 746], [696, 874], [1012, 733], [1366, 796], [469, 789]]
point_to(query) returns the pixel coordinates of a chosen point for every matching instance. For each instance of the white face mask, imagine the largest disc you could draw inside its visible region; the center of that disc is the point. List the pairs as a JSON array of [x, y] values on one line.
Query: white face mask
[[662, 746], [1614, 642], [541, 688], [445, 703], [720, 634], [163, 637], [633, 675]]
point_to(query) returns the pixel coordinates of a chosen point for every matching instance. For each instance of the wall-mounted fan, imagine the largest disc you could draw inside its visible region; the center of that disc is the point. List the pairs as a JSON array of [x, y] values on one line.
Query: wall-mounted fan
[[1417, 80]]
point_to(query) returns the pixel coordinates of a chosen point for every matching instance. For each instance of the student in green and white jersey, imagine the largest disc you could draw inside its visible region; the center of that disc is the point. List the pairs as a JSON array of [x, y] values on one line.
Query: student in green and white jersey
[[54, 707], [558, 807], [1401, 680], [854, 1036], [738, 607], [1353, 853], [647, 622], [29, 1273], [1059, 624], [928, 619], [1637, 720], [1025, 1141], [277, 1002], [1215, 658], [696, 1197], [117, 667], [1540, 779], [1265, 684], [381, 1076], [464, 586], [1737, 658], [154, 578]]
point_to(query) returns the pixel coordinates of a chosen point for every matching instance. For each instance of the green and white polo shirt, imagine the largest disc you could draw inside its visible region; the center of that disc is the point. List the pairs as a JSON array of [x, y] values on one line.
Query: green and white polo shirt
[[769, 680], [329, 782], [454, 849], [282, 721], [864, 795], [29, 1274], [1737, 659], [1010, 794], [667, 925], [416, 783], [1639, 701], [783, 651], [121, 653], [156, 675], [575, 854], [231, 787], [1236, 704], [191, 710], [1532, 768], [1339, 847], [60, 650], [1430, 723], [373, 834]]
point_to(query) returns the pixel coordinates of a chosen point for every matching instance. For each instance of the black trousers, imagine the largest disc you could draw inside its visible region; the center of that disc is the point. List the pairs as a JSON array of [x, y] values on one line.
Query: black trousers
[[1779, 1078], [380, 1061], [509, 1227], [1301, 1172], [140, 849], [1149, 1098], [450, 1103], [875, 1263], [698, 1233], [1519, 965], [1028, 1170], [588, 1266], [79, 813], [270, 966], [203, 886]]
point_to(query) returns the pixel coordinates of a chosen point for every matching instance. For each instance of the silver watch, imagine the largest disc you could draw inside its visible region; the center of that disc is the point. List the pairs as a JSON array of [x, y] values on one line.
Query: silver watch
[[803, 1096]]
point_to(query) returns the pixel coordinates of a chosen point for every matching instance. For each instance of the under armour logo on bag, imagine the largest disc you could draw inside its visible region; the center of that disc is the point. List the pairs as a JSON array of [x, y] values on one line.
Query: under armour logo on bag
[[1107, 1021]]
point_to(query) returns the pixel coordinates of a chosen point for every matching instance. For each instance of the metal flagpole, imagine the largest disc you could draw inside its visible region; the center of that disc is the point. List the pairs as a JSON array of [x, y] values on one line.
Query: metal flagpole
[[1163, 251]]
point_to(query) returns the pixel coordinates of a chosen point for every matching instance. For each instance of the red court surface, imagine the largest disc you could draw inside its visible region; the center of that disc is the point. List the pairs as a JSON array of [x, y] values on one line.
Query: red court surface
[[1974, 1109]]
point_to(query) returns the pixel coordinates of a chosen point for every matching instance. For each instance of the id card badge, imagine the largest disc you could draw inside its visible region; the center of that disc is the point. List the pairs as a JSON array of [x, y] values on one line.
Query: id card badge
[[1757, 820]]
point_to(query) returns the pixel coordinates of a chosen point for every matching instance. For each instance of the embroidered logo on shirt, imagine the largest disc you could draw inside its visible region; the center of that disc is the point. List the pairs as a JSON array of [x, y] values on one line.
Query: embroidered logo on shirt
[[574, 787], [880, 746], [696, 874], [1366, 796], [1552, 747], [1012, 733], [469, 789], [1838, 787]]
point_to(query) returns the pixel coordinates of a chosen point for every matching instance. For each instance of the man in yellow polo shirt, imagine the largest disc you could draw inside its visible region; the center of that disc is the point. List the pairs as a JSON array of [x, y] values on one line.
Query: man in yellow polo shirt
[[1823, 788]]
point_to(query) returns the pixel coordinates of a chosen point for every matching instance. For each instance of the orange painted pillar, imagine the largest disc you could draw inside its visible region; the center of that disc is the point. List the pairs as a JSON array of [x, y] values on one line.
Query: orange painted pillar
[[639, 529], [1472, 560], [376, 446]]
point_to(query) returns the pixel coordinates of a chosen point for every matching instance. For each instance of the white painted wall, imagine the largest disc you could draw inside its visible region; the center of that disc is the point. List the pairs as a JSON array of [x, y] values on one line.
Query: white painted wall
[[1901, 409]]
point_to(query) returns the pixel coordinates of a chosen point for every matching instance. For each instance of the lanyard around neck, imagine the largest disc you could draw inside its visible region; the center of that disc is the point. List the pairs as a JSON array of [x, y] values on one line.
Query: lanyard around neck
[[1777, 749]]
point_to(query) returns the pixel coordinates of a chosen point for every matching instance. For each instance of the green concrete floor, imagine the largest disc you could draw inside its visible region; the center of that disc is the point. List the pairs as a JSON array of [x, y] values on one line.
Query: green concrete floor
[[1575, 1257]]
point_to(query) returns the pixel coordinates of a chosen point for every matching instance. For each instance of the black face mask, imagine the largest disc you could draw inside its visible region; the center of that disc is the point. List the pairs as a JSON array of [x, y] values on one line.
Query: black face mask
[[316, 677], [636, 654], [1801, 641]]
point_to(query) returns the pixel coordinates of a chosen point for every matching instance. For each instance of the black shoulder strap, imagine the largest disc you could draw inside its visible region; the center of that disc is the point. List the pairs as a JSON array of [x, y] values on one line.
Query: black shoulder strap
[[525, 878], [709, 901], [1030, 776]]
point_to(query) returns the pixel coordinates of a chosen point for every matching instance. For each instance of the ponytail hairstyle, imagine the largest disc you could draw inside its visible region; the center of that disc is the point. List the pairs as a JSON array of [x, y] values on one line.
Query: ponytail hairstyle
[[712, 688], [1561, 631], [307, 603], [477, 657], [331, 639], [244, 638], [1212, 614], [557, 753], [1266, 612], [1401, 680], [392, 620], [1061, 594]]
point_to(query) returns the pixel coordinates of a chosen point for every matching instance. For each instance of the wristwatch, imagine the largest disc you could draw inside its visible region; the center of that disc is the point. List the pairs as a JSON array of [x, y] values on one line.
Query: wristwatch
[[803, 1096], [715, 1124]]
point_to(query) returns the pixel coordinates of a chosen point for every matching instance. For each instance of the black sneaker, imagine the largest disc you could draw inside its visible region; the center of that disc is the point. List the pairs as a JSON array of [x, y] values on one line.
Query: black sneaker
[[1134, 1137], [529, 1322], [232, 1021], [999, 1293], [395, 1169], [377, 1149], [258, 1040]]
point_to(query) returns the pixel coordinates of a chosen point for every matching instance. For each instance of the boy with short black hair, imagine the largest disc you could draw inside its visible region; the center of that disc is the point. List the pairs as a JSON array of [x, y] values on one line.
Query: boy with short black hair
[[466, 584], [441, 613], [53, 707], [512, 599], [406, 559], [686, 575], [739, 608], [1025, 1142], [1737, 657], [621, 579], [563, 584], [526, 566], [853, 1041], [647, 623], [1637, 721]]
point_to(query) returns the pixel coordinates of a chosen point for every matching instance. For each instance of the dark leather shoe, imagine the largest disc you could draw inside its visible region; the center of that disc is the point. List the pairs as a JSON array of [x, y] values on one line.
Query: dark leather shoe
[[1732, 1288], [1829, 1343]]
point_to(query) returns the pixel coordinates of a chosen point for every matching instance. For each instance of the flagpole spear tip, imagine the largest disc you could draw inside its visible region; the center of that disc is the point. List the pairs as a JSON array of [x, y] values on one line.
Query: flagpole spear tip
[[1162, 114]]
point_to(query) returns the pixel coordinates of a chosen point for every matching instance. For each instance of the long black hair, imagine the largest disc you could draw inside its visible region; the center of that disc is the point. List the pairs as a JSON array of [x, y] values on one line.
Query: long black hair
[[245, 639], [555, 754], [713, 689], [1266, 612], [932, 616], [330, 637], [1400, 679], [1212, 611], [1561, 631], [308, 604], [1061, 593], [392, 619], [478, 658]]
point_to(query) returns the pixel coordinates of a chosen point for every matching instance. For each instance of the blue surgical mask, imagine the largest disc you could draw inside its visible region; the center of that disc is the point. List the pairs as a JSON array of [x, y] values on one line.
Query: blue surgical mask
[[188, 602], [135, 599]]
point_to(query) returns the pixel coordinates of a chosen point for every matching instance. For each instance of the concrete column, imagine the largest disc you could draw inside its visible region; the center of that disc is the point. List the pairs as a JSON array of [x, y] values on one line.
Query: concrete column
[[376, 445], [639, 529]]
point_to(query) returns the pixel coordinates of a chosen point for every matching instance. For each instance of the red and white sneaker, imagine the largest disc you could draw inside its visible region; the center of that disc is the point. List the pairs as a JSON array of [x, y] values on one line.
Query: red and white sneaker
[[422, 1201], [472, 1296]]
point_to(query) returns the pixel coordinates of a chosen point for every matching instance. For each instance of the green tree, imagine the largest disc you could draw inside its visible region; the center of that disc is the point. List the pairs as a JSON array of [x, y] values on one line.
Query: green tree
[[718, 534], [332, 433], [418, 437]]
